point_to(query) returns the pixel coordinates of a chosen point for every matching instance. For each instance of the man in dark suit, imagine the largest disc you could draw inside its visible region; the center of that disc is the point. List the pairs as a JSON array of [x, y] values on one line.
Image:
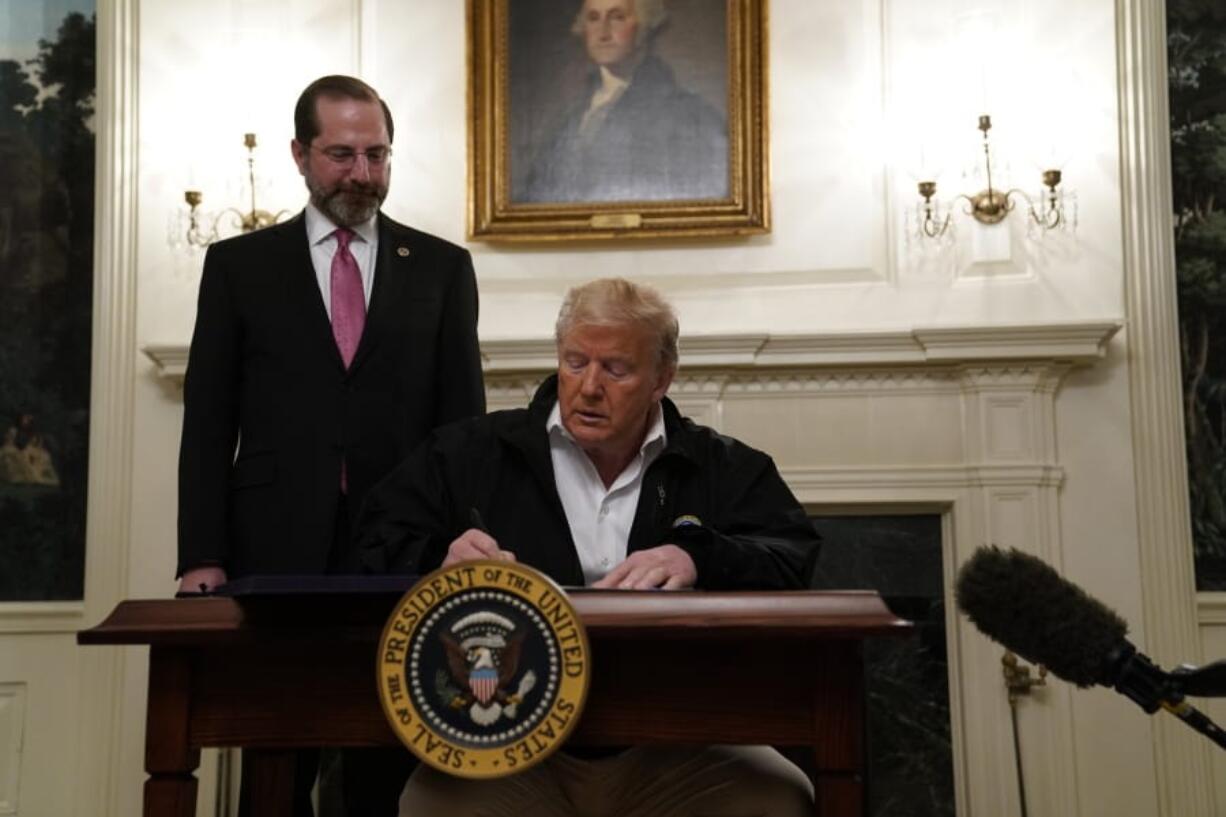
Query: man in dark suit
[[325, 348]]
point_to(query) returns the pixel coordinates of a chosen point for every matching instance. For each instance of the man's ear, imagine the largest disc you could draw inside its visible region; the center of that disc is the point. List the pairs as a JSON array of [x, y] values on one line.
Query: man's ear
[[663, 381], [301, 153]]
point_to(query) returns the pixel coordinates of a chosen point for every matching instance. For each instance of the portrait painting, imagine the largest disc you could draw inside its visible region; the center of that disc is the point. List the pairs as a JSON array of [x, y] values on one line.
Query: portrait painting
[[609, 118], [46, 294]]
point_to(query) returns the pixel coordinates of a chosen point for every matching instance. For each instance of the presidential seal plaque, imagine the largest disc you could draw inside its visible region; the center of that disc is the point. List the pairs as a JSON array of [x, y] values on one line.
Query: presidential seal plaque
[[483, 668]]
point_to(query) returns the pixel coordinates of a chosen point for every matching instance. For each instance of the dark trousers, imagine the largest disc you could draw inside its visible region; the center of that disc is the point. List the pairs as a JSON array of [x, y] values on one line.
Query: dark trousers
[[371, 782], [371, 779]]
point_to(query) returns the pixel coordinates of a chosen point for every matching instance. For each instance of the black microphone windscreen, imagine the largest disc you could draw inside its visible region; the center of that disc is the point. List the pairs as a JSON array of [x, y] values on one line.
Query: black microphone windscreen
[[1022, 603]]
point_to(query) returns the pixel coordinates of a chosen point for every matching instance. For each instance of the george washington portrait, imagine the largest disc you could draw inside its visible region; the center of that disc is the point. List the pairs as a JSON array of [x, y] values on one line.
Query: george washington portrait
[[618, 101]]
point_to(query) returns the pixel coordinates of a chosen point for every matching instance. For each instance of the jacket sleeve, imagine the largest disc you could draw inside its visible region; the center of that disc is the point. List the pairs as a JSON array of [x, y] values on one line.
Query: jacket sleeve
[[459, 383], [404, 525], [210, 420], [759, 537]]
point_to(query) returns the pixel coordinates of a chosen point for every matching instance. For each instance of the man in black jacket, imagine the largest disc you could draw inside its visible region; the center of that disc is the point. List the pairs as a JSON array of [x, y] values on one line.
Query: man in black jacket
[[600, 481]]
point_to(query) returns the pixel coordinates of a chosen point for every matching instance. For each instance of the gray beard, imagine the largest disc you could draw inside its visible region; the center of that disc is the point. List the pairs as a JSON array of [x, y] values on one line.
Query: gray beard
[[348, 208]]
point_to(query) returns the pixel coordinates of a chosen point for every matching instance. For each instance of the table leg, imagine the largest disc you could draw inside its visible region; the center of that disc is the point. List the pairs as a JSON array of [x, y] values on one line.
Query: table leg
[[271, 787], [170, 795], [839, 795], [170, 760], [839, 722]]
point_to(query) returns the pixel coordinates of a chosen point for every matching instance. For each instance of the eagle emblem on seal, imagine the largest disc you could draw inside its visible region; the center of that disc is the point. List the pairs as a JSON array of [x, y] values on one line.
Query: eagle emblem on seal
[[483, 650]]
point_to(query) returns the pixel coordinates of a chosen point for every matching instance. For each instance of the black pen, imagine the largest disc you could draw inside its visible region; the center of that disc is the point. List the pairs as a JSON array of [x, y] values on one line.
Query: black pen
[[195, 594], [474, 519]]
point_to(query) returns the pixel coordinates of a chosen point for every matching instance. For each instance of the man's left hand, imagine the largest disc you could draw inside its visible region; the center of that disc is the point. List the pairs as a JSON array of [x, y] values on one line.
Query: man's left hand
[[667, 567]]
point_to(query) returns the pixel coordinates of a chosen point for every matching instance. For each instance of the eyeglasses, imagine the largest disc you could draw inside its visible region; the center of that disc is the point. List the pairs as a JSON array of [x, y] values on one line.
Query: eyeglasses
[[348, 157]]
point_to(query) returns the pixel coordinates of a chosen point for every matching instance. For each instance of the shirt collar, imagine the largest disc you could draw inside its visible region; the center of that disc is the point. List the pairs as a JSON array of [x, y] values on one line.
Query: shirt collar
[[654, 439], [553, 423], [611, 83], [319, 226]]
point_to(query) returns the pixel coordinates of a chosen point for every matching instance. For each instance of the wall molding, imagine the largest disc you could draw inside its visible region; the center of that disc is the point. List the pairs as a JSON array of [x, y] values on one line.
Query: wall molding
[[41, 616], [101, 671], [1211, 609], [808, 481], [169, 358], [1080, 342], [12, 736], [1168, 590]]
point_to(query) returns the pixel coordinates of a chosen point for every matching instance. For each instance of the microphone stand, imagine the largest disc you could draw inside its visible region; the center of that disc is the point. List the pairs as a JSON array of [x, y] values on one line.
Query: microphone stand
[[1208, 681], [1019, 682], [1151, 688], [1197, 720]]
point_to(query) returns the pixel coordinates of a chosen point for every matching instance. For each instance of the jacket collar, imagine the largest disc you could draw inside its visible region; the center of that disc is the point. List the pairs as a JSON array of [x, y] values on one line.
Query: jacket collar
[[293, 259], [393, 263], [532, 438]]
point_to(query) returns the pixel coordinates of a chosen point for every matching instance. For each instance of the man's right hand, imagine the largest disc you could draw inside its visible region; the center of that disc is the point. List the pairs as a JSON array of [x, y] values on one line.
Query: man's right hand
[[202, 579], [474, 544]]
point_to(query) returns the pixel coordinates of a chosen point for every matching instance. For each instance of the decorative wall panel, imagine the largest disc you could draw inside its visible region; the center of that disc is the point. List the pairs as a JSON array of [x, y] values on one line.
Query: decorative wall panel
[[12, 729]]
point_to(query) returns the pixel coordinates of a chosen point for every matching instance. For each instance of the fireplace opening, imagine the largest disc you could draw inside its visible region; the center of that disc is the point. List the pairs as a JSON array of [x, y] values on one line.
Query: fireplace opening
[[910, 763]]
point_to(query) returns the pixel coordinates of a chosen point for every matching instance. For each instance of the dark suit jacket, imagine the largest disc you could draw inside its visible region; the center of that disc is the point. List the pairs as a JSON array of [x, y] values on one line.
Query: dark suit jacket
[[264, 374]]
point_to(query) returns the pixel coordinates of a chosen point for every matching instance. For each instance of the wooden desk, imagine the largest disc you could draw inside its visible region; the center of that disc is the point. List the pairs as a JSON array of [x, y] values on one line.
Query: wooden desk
[[685, 668]]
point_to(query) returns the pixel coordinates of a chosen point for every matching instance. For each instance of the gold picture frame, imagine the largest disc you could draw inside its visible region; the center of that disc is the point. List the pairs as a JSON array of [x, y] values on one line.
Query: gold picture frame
[[680, 151]]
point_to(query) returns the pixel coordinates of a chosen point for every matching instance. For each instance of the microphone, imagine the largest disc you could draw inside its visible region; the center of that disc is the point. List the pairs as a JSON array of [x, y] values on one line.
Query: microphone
[[1019, 601]]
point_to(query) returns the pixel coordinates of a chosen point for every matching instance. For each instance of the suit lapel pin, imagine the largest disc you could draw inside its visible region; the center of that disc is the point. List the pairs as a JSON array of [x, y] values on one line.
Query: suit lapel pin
[[403, 252]]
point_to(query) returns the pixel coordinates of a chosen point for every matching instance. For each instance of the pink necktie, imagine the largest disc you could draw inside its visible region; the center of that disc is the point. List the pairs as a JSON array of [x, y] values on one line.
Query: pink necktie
[[348, 309], [348, 300]]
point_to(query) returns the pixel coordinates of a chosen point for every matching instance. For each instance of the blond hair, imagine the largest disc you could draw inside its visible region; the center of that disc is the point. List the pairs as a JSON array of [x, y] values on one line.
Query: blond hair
[[618, 302]]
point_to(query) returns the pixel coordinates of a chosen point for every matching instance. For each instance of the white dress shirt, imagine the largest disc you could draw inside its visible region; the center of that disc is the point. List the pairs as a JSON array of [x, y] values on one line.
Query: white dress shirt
[[364, 246], [600, 519]]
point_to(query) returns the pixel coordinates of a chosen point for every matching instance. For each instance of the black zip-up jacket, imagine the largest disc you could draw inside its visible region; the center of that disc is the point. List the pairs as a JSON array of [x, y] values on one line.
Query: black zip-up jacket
[[751, 534]]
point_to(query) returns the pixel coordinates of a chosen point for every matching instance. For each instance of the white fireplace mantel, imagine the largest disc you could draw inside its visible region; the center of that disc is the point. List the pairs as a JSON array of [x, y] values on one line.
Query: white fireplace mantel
[[1075, 343]]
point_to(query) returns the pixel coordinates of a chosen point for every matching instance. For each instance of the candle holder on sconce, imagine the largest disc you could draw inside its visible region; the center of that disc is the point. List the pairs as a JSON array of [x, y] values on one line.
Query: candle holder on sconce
[[197, 234], [992, 205]]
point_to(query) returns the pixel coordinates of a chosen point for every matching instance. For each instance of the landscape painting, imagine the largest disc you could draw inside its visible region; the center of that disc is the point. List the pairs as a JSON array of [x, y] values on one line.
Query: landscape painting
[[47, 83]]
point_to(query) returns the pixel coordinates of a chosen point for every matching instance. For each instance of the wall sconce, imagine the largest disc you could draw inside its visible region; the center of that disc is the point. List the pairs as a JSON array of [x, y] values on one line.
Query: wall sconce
[[197, 234], [992, 205]]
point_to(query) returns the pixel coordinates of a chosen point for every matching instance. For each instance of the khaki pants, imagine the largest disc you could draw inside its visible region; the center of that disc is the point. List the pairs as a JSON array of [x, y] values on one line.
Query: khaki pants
[[645, 781]]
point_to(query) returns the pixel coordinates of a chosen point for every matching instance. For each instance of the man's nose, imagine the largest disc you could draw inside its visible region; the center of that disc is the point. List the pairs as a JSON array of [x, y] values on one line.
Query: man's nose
[[361, 168], [590, 383]]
